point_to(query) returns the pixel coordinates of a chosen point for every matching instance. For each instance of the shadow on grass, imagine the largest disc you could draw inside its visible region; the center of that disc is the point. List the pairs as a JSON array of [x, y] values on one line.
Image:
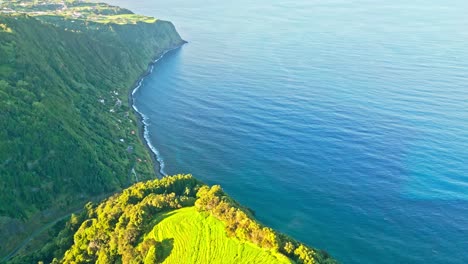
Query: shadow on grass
[[161, 216]]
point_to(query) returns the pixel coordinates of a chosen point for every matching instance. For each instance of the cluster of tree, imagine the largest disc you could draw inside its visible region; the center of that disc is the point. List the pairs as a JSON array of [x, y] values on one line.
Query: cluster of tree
[[241, 224], [112, 231], [62, 137]]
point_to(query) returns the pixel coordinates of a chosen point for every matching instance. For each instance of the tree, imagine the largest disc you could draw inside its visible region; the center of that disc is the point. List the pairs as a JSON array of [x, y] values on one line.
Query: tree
[[3, 85]]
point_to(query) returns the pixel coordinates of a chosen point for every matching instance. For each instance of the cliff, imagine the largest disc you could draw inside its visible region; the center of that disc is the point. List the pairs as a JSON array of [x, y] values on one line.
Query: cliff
[[68, 134]]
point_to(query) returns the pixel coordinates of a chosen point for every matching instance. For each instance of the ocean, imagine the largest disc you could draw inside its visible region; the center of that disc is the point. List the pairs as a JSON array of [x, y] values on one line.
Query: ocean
[[341, 123]]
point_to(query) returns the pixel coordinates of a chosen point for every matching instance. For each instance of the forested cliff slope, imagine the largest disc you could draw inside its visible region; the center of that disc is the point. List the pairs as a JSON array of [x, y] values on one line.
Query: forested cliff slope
[[67, 132]]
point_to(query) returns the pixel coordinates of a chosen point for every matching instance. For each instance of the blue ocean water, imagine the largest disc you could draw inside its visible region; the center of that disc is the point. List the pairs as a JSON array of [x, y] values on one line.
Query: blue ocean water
[[341, 123]]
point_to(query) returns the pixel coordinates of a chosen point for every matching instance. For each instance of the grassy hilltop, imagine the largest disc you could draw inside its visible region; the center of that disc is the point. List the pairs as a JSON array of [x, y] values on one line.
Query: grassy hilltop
[[176, 219], [69, 137]]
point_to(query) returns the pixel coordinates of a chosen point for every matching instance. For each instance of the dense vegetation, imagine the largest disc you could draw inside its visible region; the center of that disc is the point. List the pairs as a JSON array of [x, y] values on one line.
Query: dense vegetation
[[145, 224], [67, 131]]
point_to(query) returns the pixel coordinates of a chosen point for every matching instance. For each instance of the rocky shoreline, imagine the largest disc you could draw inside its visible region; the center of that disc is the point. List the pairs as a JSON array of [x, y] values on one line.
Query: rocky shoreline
[[158, 163]]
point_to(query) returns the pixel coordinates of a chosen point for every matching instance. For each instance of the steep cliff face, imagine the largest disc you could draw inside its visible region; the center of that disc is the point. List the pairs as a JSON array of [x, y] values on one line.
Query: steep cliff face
[[67, 132]]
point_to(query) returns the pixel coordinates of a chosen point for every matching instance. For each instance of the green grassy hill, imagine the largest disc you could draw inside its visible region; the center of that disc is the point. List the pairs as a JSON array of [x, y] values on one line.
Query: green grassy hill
[[188, 228], [68, 134], [176, 219]]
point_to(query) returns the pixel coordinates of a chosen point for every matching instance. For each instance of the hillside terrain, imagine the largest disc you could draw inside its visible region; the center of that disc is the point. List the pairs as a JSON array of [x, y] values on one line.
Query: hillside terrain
[[68, 133]]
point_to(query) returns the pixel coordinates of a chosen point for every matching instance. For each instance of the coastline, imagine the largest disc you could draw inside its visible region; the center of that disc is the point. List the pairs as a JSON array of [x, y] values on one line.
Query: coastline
[[143, 132]]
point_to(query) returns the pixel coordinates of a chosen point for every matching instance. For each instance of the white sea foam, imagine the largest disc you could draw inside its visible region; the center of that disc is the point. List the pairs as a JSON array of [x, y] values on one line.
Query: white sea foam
[[145, 119]]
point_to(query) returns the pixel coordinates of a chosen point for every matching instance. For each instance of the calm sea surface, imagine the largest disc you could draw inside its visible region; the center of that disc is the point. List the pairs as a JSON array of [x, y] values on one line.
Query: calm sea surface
[[341, 123]]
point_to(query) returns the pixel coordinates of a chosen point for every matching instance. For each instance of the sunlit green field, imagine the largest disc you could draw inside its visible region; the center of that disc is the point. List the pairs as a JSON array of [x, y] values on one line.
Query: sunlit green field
[[186, 228], [122, 19]]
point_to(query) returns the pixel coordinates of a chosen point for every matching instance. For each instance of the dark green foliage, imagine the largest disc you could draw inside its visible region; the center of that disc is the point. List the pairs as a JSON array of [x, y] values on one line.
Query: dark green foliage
[[59, 145], [63, 239]]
